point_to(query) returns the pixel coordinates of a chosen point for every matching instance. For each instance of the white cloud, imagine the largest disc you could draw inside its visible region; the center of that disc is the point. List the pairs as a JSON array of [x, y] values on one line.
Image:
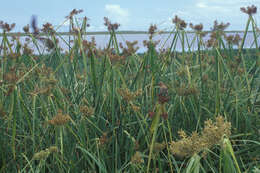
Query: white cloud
[[206, 11], [115, 12], [201, 5], [225, 5]]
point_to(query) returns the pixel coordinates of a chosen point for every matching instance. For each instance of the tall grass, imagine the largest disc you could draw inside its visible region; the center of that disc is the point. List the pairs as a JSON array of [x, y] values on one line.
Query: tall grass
[[114, 110]]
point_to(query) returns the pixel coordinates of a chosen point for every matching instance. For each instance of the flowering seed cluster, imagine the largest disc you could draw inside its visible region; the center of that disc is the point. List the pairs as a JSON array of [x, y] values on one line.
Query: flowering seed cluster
[[128, 95], [249, 10], [137, 158], [43, 154], [181, 24], [59, 119], [210, 136], [87, 110]]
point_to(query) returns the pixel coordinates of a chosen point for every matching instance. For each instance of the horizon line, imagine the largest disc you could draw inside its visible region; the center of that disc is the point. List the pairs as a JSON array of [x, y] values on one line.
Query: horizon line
[[22, 34]]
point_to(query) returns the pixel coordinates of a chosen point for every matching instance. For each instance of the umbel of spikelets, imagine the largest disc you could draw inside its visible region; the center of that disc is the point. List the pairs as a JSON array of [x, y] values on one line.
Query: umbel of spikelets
[[211, 135], [43, 154], [59, 119]]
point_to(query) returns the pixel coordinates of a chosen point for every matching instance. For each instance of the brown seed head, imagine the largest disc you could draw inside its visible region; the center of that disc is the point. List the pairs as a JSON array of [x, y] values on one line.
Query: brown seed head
[[151, 114], [249, 10], [181, 24], [197, 28], [73, 13], [110, 26], [59, 119], [210, 136], [219, 26], [6, 27], [152, 30], [163, 89], [48, 28], [137, 158], [164, 115], [26, 28]]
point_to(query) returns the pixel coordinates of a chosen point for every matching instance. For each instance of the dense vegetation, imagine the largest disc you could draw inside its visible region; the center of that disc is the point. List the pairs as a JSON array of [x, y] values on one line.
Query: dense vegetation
[[113, 110]]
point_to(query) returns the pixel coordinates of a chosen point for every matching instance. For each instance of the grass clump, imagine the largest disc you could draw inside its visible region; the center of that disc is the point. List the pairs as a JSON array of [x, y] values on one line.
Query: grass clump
[[112, 109]]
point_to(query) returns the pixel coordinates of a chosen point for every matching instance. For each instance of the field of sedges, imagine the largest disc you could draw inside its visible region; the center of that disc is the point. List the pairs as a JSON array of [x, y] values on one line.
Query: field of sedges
[[114, 110]]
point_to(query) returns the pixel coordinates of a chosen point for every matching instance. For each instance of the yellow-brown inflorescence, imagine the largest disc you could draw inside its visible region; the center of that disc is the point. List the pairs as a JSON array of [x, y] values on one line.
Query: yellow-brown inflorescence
[[128, 95], [59, 119], [137, 158], [104, 139], [158, 147], [115, 58], [185, 90], [131, 48], [2, 111], [210, 136], [43, 154], [249, 10], [87, 110], [135, 108]]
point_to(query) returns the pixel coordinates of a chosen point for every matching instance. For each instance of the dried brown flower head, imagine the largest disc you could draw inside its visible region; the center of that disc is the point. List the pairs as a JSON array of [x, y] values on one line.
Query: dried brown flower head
[[73, 13], [249, 10], [127, 95], [151, 114], [163, 93], [233, 39], [179, 23], [49, 43], [163, 90], [184, 90], [10, 77], [137, 158], [110, 26], [164, 115], [26, 28], [103, 139], [152, 30], [115, 58], [89, 47], [135, 108], [217, 30], [219, 26], [27, 50], [59, 119], [87, 110], [6, 27], [2, 112], [149, 44], [163, 98], [48, 28], [43, 90], [197, 28], [131, 49]]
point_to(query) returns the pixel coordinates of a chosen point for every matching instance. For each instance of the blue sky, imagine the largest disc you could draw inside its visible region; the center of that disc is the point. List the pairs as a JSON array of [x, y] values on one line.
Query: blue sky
[[131, 14]]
